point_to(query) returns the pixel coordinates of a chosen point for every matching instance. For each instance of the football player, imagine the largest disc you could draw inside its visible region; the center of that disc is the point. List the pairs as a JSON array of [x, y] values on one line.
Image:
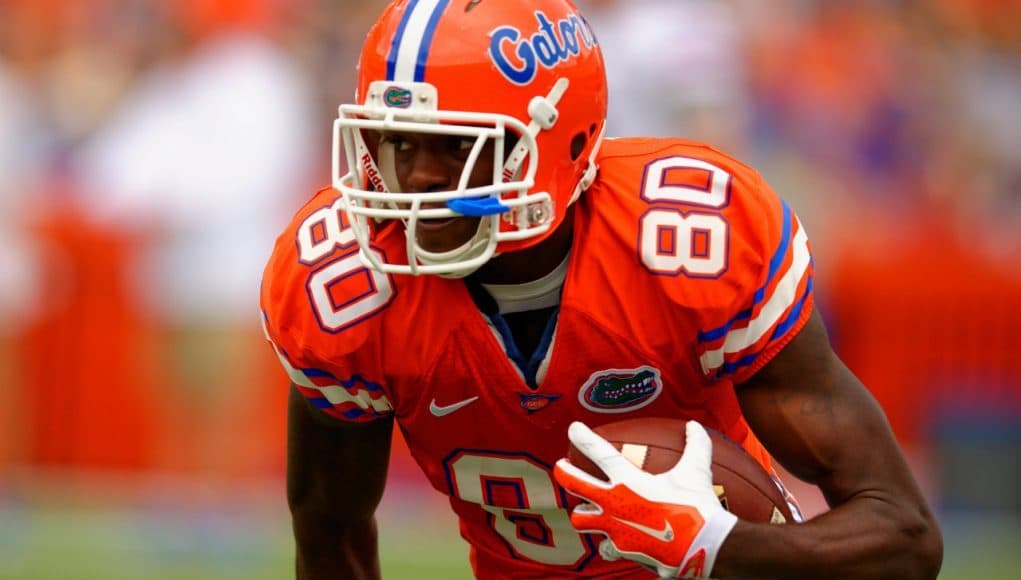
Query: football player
[[496, 279]]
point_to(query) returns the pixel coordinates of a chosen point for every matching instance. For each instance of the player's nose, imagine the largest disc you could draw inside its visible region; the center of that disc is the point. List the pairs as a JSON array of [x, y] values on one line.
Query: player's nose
[[427, 171]]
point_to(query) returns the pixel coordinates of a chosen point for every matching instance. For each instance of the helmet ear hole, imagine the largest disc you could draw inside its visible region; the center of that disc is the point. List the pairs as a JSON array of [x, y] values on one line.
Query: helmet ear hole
[[578, 145]]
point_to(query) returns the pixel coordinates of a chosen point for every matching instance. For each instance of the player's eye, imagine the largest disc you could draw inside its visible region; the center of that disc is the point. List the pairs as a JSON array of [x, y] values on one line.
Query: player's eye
[[400, 143], [460, 146]]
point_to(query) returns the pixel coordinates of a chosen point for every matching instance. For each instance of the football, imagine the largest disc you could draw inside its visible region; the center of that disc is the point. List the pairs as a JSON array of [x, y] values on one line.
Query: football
[[655, 445]]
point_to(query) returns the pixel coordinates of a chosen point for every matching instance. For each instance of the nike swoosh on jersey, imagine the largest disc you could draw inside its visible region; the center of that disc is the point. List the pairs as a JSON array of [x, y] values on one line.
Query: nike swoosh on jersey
[[439, 411], [664, 535]]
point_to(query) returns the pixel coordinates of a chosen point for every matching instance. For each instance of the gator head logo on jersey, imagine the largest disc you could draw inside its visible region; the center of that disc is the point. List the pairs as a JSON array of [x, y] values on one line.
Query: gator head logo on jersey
[[518, 55], [620, 391]]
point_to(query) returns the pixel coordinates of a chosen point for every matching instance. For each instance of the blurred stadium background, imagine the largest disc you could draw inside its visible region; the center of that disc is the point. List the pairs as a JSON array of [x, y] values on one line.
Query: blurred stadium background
[[150, 150]]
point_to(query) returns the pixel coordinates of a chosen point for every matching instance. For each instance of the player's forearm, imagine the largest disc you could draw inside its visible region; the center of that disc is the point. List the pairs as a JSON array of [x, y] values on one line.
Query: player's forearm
[[328, 550], [865, 538]]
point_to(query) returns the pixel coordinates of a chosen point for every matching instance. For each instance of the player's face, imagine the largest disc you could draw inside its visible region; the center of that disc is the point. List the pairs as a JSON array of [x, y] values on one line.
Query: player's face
[[427, 163]]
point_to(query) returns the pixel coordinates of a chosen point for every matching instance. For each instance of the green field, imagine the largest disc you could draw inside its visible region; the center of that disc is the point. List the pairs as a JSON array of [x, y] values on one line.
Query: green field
[[195, 535], [51, 538]]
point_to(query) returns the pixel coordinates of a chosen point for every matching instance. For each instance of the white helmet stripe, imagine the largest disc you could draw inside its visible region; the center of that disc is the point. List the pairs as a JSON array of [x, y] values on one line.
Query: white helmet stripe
[[410, 50]]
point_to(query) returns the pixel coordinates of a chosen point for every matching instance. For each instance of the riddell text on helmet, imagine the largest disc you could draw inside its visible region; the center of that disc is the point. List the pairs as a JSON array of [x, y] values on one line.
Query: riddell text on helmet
[[370, 172]]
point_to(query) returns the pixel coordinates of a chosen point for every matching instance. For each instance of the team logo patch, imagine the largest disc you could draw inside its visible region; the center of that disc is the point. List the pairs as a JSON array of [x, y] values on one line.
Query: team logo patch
[[533, 402], [620, 391], [518, 55], [397, 98]]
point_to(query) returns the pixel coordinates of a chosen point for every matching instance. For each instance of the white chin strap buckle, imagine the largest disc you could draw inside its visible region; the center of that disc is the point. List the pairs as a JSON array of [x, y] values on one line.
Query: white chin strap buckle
[[543, 112]]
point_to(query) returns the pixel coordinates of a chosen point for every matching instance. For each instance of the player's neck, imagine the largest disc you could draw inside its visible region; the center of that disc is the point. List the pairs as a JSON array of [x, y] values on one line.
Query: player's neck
[[532, 263]]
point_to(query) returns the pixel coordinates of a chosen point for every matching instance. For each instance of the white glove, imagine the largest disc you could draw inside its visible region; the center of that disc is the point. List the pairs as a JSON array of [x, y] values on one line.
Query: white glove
[[671, 522]]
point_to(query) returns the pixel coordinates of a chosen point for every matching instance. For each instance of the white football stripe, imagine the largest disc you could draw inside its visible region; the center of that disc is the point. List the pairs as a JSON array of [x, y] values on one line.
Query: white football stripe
[[783, 296], [411, 41], [338, 395], [635, 453]]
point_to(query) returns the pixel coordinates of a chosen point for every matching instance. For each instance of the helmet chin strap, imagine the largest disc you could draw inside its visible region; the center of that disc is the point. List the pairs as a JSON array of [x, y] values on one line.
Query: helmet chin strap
[[543, 115], [387, 167], [592, 170]]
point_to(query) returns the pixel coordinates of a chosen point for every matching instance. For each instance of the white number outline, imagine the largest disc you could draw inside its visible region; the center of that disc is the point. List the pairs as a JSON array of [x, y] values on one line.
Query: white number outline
[[716, 195], [468, 482], [337, 235], [685, 225], [692, 265], [336, 232]]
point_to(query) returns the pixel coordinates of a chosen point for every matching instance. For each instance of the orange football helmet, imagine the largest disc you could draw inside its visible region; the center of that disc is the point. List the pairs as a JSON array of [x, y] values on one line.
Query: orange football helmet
[[526, 76]]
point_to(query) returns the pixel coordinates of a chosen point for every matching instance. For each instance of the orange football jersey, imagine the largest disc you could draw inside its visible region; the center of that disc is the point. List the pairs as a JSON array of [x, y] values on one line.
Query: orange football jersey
[[686, 275]]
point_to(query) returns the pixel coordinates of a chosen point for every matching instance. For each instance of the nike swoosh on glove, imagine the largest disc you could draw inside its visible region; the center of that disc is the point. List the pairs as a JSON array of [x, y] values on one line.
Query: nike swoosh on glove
[[671, 522]]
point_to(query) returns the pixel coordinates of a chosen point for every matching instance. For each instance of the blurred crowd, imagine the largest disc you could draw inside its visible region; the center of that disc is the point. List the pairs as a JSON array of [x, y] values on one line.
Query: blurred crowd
[[150, 151]]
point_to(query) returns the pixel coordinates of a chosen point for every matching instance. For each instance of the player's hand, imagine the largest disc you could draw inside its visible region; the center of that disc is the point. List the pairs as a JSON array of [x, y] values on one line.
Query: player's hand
[[671, 522]]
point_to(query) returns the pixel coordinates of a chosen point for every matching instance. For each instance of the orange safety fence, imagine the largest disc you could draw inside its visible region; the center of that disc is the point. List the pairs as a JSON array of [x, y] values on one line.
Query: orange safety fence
[[88, 393], [98, 384], [930, 319]]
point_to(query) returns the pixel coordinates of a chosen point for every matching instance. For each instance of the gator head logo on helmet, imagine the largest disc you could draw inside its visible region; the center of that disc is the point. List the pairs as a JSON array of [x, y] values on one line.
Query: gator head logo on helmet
[[397, 97]]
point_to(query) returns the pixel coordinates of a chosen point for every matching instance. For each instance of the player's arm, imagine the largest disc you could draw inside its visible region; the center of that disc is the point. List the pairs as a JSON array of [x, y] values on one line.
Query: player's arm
[[820, 422], [335, 477]]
